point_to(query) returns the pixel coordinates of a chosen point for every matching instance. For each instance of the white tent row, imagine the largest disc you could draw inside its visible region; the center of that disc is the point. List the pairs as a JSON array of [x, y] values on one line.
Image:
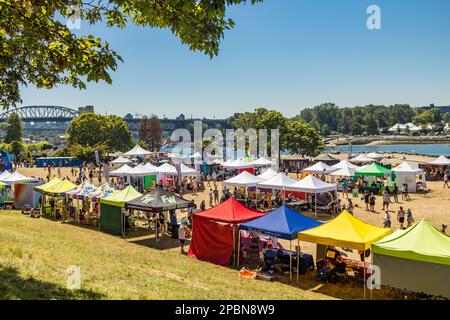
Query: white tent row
[[137, 151], [14, 177], [262, 162], [244, 179], [142, 170], [344, 172], [375, 156], [237, 164], [345, 164], [121, 160], [361, 159], [319, 167], [440, 161]]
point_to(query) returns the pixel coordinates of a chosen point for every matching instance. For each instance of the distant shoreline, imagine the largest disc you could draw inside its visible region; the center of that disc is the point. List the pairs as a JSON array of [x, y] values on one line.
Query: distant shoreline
[[379, 141]]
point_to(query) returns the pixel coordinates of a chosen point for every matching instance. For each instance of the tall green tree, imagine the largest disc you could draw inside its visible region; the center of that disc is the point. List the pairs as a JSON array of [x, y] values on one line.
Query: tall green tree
[[37, 46], [303, 139], [119, 137], [13, 128]]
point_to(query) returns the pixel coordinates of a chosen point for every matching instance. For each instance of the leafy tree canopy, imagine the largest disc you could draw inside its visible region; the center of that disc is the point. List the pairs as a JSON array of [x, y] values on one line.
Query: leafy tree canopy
[[13, 128], [38, 48]]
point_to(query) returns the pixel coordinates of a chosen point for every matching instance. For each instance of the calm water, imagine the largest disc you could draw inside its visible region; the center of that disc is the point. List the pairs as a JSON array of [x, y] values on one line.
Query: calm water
[[428, 149]]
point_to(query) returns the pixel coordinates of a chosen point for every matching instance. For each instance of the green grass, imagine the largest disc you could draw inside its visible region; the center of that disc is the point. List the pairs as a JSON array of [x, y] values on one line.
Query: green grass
[[35, 254]]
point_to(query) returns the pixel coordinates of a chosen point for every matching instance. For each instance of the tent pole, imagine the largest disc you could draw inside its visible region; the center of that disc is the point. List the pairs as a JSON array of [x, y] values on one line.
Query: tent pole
[[298, 256], [315, 205], [364, 261], [234, 246], [290, 259], [239, 247], [256, 197]]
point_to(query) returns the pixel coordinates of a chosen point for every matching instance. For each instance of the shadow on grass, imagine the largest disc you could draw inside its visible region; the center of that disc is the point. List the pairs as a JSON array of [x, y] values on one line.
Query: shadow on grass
[[15, 287], [146, 238]]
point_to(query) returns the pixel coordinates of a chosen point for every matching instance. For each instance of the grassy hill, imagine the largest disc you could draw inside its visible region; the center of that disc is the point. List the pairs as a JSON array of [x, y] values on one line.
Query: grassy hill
[[35, 254]]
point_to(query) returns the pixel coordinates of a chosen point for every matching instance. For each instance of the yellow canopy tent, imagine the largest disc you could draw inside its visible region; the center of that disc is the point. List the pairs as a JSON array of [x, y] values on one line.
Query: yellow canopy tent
[[345, 231], [49, 184], [56, 189]]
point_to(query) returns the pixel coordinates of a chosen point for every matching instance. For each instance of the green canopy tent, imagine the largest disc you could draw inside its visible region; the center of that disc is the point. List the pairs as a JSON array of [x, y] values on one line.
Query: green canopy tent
[[417, 259], [111, 210], [373, 170]]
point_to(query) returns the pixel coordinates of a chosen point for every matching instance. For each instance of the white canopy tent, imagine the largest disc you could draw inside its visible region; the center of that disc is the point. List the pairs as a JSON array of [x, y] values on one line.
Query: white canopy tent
[[440, 161], [406, 173], [5, 174], [238, 164], [121, 172], [167, 169], [319, 167], [244, 179], [137, 151], [262, 162], [121, 160], [375, 155], [278, 182], [150, 166], [268, 174], [344, 172], [361, 159], [140, 171], [312, 185], [16, 177], [345, 164], [187, 171]]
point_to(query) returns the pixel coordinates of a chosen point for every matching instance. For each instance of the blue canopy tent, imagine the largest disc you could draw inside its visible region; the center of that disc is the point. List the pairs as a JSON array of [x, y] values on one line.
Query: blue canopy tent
[[283, 223]]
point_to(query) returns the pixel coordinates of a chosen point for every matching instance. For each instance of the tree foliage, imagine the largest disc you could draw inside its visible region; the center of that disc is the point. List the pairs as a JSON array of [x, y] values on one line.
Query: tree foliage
[[303, 139], [109, 133], [38, 48], [150, 131], [13, 128]]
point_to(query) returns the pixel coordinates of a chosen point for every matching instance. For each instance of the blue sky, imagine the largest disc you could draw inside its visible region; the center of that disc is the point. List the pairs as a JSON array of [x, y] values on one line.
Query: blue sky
[[282, 54]]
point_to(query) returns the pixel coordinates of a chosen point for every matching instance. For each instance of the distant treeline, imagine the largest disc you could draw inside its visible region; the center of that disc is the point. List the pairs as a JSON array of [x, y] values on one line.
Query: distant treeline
[[370, 120]]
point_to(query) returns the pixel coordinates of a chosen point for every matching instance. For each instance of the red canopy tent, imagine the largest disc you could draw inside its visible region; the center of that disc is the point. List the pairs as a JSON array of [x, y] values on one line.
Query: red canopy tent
[[213, 231]]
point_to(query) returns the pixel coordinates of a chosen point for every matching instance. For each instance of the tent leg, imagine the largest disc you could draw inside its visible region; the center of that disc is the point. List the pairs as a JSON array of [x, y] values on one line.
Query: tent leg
[[234, 247], [298, 256], [315, 205], [239, 247], [290, 259]]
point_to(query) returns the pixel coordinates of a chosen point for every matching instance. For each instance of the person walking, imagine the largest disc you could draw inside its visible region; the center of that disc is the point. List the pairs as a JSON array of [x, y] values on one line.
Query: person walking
[[401, 217], [372, 200], [211, 198], [446, 180], [366, 200], [216, 196], [395, 193], [409, 218], [182, 235], [387, 220], [386, 199]]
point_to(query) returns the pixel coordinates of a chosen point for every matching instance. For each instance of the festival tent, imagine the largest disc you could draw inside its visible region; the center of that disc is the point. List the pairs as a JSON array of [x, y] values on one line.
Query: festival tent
[[49, 184], [267, 174], [244, 179], [375, 155], [361, 159], [373, 170], [111, 214], [327, 159], [238, 164], [187, 171], [278, 182], [344, 172], [440, 161], [140, 171], [121, 160], [56, 189], [15, 177], [5, 174], [319, 167], [167, 169], [150, 166], [416, 259], [158, 200], [121, 172], [262, 162], [345, 231], [406, 173], [82, 191], [137, 151], [311, 184], [345, 164], [214, 231], [283, 223]]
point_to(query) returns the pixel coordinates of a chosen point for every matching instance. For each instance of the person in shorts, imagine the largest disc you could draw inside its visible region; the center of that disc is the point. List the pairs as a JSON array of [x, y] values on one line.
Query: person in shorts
[[401, 217], [372, 200], [386, 200], [182, 234]]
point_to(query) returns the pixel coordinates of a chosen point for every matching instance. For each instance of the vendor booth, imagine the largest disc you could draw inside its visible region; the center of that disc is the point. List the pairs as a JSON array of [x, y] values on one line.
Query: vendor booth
[[416, 259], [214, 231], [120, 160], [244, 179], [319, 168], [263, 162], [137, 151], [55, 188], [345, 164], [345, 231], [362, 159], [283, 223], [407, 174], [111, 209], [157, 201], [267, 174], [371, 172], [327, 159]]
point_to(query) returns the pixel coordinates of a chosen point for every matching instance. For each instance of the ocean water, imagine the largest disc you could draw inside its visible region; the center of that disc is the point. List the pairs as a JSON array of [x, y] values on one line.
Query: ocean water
[[425, 149]]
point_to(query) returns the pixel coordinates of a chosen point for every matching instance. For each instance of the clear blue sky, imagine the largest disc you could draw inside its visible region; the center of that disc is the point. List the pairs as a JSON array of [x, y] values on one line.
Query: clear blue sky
[[282, 54]]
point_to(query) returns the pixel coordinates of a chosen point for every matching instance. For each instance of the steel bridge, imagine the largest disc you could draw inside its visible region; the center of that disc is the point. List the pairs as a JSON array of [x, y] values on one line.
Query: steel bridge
[[41, 114]]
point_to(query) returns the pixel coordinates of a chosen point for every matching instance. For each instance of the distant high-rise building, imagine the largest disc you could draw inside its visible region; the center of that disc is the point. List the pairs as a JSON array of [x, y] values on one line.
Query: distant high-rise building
[[86, 109]]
